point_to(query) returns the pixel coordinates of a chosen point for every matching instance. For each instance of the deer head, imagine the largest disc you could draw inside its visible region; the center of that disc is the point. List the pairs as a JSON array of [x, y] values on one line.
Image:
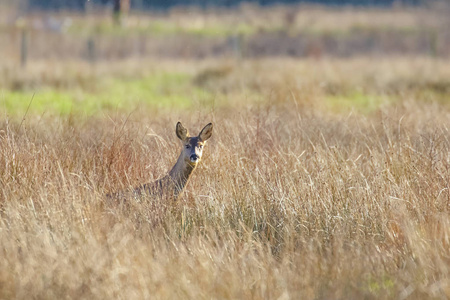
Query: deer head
[[193, 146]]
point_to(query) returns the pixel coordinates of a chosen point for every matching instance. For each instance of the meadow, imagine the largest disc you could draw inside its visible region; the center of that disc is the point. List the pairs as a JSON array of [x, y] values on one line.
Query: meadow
[[325, 178]]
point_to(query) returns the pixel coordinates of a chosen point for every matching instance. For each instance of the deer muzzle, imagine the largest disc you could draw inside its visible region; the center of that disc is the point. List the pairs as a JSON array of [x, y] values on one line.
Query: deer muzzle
[[194, 158]]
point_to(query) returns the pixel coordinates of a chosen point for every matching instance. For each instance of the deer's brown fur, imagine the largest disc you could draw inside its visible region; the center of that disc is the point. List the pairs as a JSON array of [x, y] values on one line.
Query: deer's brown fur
[[171, 185]]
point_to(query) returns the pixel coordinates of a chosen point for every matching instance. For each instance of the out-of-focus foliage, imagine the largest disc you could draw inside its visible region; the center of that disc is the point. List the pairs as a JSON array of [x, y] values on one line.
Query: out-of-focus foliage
[[165, 4]]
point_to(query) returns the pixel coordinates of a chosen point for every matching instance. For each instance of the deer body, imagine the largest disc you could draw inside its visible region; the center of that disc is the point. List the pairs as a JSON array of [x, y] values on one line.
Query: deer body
[[171, 185]]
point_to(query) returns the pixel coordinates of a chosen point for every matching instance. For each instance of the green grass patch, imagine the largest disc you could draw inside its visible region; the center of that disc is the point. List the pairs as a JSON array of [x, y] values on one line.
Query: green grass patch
[[16, 103], [356, 101], [221, 31], [159, 28], [384, 286], [157, 91]]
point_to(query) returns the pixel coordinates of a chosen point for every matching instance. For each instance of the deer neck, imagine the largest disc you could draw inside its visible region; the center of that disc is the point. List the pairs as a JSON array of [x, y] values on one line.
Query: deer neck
[[181, 172]]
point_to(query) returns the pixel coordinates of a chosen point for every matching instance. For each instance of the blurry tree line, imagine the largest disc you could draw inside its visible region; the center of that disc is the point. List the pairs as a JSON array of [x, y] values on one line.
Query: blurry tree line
[[166, 4]]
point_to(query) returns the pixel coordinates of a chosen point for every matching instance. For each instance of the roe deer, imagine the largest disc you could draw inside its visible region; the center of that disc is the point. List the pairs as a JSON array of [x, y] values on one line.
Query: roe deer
[[171, 185]]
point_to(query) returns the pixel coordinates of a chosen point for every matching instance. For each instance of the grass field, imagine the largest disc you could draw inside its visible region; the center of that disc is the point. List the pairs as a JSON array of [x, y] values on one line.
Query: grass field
[[324, 179]]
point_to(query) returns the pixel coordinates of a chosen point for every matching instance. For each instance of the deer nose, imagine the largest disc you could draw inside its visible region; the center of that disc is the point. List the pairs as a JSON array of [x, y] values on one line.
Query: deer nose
[[194, 157]]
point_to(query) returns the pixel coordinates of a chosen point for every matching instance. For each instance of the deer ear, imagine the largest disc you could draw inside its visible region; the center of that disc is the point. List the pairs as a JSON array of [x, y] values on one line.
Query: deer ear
[[206, 132], [182, 133]]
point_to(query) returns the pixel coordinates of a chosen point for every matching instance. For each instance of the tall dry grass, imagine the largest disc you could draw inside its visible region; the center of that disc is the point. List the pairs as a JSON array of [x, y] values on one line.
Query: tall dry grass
[[290, 201]]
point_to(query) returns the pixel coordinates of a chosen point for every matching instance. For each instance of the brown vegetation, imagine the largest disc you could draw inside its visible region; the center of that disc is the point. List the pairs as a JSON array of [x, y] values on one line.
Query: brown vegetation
[[292, 200], [324, 179], [248, 31]]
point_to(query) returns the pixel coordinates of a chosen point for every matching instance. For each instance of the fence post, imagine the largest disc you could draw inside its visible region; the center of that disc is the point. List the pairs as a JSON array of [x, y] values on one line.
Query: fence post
[[91, 50], [236, 45], [433, 43], [23, 47]]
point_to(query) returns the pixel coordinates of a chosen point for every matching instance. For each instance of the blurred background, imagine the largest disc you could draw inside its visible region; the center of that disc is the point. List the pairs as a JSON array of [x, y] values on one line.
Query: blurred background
[[77, 51], [117, 29]]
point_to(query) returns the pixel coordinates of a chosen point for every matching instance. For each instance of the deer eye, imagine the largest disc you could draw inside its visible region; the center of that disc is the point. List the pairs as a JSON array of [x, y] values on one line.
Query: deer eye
[[188, 146], [200, 146]]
